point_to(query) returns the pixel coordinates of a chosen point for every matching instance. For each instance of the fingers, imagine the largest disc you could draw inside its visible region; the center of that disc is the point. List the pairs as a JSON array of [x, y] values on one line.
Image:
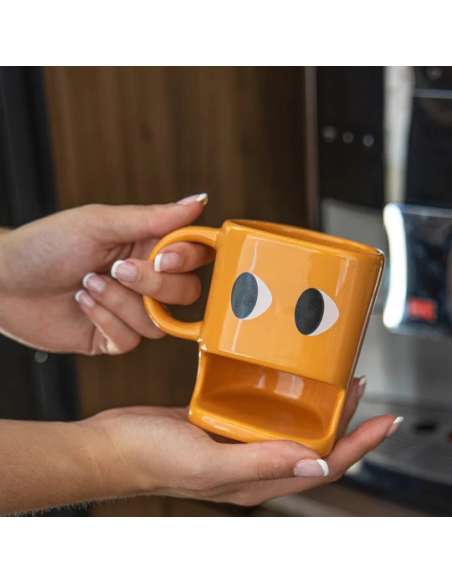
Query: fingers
[[367, 436], [258, 461], [347, 452], [183, 257], [122, 303], [141, 277], [127, 223], [127, 320], [354, 395], [111, 336]]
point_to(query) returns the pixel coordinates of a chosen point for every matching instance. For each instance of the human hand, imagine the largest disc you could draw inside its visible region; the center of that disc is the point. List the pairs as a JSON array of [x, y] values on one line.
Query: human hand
[[155, 450], [43, 263]]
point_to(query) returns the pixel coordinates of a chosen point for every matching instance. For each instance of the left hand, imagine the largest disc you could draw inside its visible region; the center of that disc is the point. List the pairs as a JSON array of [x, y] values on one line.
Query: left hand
[[43, 263], [195, 464]]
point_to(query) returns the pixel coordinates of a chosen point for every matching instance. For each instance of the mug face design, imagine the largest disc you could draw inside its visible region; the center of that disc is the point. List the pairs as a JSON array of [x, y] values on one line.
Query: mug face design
[[315, 312], [250, 296], [288, 305]]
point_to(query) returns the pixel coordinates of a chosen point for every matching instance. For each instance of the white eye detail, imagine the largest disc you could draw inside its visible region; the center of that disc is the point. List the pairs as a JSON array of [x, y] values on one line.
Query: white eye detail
[[250, 296], [315, 312]]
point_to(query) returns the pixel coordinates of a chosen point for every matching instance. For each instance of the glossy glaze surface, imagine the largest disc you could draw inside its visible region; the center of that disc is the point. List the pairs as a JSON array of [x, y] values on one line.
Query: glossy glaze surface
[[248, 403], [284, 322]]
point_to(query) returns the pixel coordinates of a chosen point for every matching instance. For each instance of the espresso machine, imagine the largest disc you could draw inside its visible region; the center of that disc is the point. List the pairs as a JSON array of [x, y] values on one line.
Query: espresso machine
[[385, 178]]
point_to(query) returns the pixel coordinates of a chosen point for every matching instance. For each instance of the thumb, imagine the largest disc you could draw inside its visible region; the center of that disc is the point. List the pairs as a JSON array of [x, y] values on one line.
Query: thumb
[[128, 223], [260, 460]]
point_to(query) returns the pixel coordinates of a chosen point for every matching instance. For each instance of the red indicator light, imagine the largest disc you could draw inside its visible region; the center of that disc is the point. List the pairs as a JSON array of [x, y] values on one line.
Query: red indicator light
[[422, 309]]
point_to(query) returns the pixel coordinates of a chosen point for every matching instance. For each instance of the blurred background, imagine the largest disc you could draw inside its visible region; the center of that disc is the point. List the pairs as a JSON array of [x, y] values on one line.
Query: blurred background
[[362, 152]]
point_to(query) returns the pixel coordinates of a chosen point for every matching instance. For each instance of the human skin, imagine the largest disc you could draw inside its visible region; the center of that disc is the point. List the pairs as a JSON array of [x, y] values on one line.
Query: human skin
[[137, 450]]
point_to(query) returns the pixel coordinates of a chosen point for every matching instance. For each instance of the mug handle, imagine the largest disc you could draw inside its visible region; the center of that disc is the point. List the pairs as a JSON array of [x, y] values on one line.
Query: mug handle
[[155, 310]]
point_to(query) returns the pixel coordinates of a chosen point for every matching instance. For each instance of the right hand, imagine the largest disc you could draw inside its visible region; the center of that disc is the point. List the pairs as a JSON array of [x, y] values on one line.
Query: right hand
[[113, 302], [43, 263]]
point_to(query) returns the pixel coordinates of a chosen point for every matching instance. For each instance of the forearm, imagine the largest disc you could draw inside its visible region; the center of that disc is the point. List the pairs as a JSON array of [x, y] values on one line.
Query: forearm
[[50, 464]]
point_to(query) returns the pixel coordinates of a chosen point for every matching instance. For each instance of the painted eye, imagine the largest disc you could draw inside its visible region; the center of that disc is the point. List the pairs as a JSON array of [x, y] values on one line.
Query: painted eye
[[250, 296], [315, 312]]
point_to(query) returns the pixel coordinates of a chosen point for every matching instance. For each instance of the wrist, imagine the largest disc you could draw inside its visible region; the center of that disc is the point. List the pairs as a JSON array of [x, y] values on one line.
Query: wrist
[[8, 287], [8, 269], [3, 260], [105, 446]]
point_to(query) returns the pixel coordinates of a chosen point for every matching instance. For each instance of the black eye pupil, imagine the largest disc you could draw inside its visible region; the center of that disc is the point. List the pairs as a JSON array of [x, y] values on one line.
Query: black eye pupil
[[244, 295], [309, 311]]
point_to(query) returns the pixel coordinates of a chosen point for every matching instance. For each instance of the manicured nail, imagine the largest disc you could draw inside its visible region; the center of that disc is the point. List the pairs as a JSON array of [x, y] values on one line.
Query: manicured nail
[[200, 198], [124, 270], [362, 382], [167, 261], [94, 283], [311, 468], [394, 426], [83, 298]]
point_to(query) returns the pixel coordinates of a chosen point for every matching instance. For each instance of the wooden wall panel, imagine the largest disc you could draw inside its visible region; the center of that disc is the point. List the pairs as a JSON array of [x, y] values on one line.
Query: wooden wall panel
[[145, 135]]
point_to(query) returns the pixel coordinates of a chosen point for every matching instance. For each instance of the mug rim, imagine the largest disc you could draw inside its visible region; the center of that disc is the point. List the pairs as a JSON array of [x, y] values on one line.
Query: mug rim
[[308, 237]]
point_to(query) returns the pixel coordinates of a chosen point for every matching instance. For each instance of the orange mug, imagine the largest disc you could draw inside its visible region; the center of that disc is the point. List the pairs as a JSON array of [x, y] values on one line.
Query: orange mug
[[284, 323]]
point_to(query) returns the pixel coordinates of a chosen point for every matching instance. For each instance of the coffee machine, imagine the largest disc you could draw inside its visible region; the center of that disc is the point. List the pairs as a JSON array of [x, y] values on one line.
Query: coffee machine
[[385, 178]]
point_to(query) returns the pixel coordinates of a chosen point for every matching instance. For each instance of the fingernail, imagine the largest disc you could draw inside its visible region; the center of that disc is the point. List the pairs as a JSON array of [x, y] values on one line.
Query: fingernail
[[394, 426], [167, 261], [125, 271], [311, 468], [362, 382], [83, 298], [94, 283], [199, 198]]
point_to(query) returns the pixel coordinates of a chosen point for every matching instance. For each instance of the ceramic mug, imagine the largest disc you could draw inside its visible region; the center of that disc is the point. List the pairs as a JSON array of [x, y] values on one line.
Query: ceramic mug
[[284, 322]]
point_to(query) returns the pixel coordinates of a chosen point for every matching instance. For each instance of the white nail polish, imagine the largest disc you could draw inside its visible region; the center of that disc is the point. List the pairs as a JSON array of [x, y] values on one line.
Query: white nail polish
[[199, 198], [86, 278], [114, 268], [394, 426], [78, 296], [311, 468], [324, 466], [202, 198], [158, 262], [361, 386], [84, 299]]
